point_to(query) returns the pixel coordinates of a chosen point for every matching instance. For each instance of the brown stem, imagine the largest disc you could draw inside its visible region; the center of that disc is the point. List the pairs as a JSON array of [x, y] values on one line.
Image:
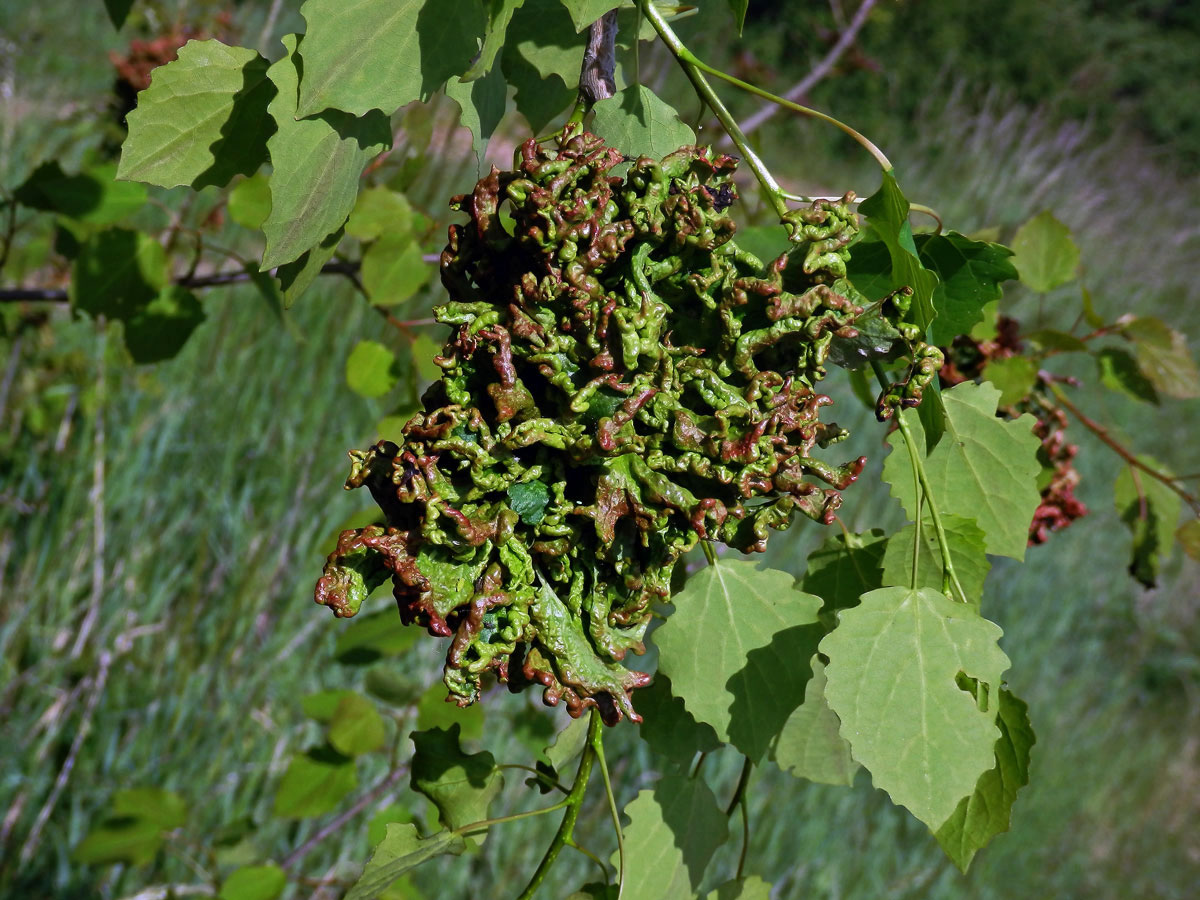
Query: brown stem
[[1121, 450], [597, 79]]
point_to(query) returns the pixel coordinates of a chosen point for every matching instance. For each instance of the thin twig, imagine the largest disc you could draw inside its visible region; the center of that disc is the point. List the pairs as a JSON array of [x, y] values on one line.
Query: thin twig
[[371, 796], [819, 72], [1117, 447]]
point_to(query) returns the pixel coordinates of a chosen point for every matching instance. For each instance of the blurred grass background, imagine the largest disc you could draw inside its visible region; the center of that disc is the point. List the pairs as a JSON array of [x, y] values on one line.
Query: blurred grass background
[[218, 477]]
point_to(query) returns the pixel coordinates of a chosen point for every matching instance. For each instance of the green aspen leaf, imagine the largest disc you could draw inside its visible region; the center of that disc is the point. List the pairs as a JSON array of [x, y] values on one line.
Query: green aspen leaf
[[499, 14], [1188, 535], [158, 330], [1164, 357], [675, 829], [894, 661], [386, 684], [323, 704], [424, 349], [637, 123], [356, 727], [317, 165], [870, 270], [887, 212], [1058, 341], [1150, 510], [546, 41], [932, 415], [988, 811], [585, 12], [752, 888], [483, 103], [757, 633], [967, 551], [668, 728], [363, 55], [461, 786], [393, 269], [254, 883], [401, 849], [529, 500], [1044, 253], [118, 11], [984, 468], [296, 277], [539, 100], [1014, 377], [203, 119], [844, 568], [1120, 372], [117, 272], [250, 201], [389, 815], [126, 839], [92, 196], [435, 709], [370, 638], [371, 369], [738, 8], [810, 745], [969, 275], [379, 211], [166, 809], [568, 743], [315, 783]]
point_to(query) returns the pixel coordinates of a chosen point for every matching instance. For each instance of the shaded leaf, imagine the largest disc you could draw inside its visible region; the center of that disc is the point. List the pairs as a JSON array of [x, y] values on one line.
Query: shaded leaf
[[315, 783], [844, 568], [379, 211], [1120, 372], [390, 686], [894, 661], [887, 212], [1188, 535], [668, 728], [482, 103], [529, 499], [321, 705], [967, 552], [126, 839], [435, 709], [370, 638], [250, 201], [461, 785], [987, 812], [365, 55], [499, 14], [568, 743], [969, 274], [1164, 357], [203, 119], [254, 883], [166, 809], [810, 745], [371, 369], [401, 849], [356, 727], [984, 468], [1059, 341], [1044, 253], [1150, 511], [675, 829], [117, 271], [738, 8], [92, 196], [317, 165], [158, 330], [756, 630], [638, 123], [585, 12], [118, 11], [296, 277]]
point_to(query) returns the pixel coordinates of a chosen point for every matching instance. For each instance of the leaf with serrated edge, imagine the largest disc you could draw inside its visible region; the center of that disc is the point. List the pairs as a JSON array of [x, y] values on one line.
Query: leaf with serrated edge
[[482, 103], [1150, 510], [568, 743], [738, 8], [202, 120], [499, 13], [887, 214], [737, 649], [983, 468], [1044, 253], [988, 811], [461, 785], [585, 12], [317, 166], [1164, 357], [297, 276], [967, 552], [401, 849], [893, 664], [810, 745], [668, 728], [676, 828], [844, 568], [637, 123], [969, 275], [361, 55]]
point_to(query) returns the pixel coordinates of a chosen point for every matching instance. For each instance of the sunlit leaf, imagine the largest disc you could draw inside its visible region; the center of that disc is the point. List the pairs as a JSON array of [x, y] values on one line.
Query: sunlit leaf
[[638, 123], [356, 726], [315, 783], [1014, 377], [92, 196], [967, 551], [461, 785], [1044, 253], [254, 883], [371, 369]]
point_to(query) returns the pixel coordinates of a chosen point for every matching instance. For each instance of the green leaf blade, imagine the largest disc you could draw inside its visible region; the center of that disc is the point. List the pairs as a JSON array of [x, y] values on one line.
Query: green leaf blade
[[1044, 253], [460, 785], [401, 850], [887, 211], [811, 746], [638, 123], [314, 784], [892, 676], [969, 275]]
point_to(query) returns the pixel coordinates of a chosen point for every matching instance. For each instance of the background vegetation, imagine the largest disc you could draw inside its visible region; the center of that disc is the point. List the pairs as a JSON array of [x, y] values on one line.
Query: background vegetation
[[161, 527]]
